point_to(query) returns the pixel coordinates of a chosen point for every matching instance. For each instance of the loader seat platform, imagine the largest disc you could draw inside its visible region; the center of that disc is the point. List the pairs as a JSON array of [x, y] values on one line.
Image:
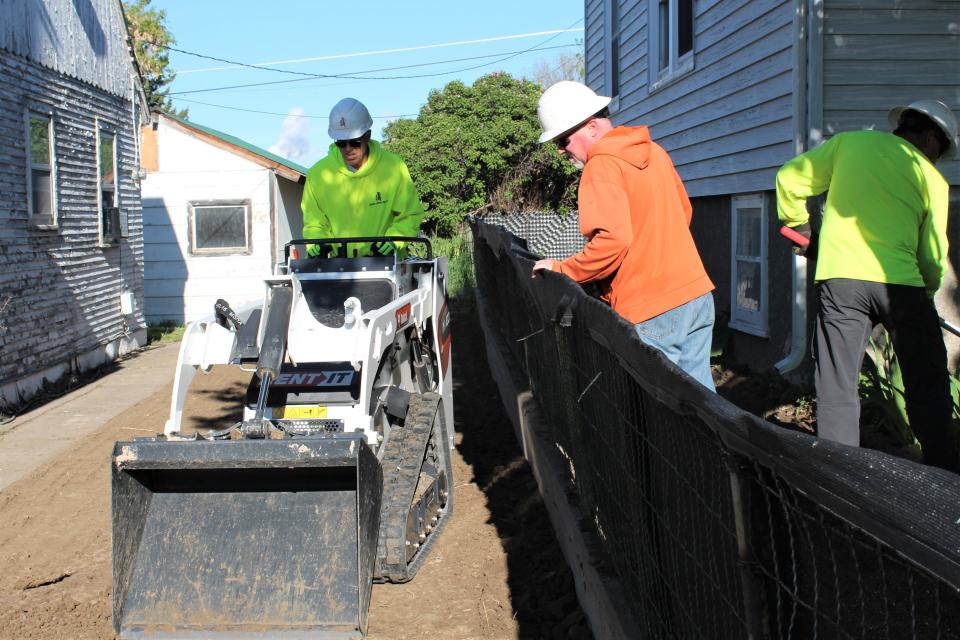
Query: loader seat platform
[[325, 298]]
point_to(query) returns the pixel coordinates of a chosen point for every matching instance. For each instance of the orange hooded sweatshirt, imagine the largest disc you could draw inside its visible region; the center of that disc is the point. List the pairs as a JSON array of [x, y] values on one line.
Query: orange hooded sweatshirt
[[636, 215]]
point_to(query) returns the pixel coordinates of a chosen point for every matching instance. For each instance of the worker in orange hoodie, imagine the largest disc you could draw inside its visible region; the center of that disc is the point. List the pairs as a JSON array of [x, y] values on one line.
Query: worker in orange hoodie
[[635, 214]]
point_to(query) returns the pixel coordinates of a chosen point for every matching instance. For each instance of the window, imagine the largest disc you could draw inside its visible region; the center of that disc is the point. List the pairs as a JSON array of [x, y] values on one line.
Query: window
[[220, 227], [41, 170], [107, 193], [671, 40], [612, 51], [749, 264]]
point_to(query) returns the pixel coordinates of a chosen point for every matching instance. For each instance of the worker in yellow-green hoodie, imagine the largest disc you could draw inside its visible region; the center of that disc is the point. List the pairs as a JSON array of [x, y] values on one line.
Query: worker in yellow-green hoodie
[[359, 188], [882, 252]]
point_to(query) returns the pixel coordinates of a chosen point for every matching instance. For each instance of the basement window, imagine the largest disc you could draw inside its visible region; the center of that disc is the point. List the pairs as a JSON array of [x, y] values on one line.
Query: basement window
[[41, 170], [748, 252], [220, 227]]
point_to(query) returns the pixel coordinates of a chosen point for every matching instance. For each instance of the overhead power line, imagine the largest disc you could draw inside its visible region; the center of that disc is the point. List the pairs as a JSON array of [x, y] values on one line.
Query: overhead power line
[[285, 115], [355, 75], [266, 65]]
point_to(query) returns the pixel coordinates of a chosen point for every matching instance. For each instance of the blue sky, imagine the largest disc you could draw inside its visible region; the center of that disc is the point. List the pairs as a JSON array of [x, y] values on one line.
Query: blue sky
[[389, 41]]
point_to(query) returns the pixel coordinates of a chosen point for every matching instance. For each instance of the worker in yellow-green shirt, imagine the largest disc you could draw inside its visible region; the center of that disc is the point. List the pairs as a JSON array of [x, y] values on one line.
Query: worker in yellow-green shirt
[[881, 254], [359, 188]]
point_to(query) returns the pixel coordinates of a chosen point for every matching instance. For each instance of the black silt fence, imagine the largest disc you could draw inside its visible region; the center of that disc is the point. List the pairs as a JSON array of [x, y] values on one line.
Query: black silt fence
[[716, 523]]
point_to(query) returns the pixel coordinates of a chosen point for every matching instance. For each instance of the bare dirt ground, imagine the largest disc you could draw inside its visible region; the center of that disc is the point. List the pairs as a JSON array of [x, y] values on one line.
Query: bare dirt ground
[[496, 572]]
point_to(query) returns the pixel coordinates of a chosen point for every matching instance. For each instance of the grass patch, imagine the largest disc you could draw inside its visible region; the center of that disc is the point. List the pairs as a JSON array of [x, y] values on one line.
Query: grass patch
[[459, 253], [163, 332], [460, 275]]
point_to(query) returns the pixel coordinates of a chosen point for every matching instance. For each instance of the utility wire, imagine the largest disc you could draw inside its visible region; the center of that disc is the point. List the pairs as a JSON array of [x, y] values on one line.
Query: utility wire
[[352, 74], [380, 52], [304, 115], [292, 115], [508, 56]]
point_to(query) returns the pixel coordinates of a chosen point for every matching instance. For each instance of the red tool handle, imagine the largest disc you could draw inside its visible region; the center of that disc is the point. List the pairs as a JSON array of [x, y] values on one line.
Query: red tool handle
[[794, 237]]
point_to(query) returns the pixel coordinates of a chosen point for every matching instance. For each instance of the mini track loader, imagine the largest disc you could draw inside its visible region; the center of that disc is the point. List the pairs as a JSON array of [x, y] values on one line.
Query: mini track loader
[[338, 474]]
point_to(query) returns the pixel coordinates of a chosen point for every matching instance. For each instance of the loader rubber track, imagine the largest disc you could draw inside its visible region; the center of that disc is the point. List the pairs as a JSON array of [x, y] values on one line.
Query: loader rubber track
[[402, 462]]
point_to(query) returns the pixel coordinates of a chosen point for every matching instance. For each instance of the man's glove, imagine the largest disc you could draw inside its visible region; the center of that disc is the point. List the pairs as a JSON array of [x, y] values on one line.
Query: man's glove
[[318, 250], [802, 249], [384, 248]]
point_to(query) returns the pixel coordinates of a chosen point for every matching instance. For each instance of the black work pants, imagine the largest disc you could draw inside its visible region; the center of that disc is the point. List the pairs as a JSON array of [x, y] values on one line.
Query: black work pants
[[848, 312]]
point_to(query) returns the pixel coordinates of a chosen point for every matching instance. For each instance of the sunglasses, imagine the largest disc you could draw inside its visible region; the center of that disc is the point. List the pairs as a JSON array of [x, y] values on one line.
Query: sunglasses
[[356, 143], [564, 139]]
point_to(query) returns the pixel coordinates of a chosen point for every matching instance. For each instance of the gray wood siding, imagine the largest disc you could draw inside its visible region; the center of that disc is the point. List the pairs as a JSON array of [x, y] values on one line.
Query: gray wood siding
[[883, 53], [728, 123], [62, 290]]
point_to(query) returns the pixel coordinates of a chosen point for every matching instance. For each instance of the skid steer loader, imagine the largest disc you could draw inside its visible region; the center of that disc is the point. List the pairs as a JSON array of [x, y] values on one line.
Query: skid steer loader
[[338, 474]]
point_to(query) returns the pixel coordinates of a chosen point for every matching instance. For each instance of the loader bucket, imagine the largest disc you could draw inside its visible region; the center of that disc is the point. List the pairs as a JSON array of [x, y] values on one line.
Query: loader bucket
[[244, 538]]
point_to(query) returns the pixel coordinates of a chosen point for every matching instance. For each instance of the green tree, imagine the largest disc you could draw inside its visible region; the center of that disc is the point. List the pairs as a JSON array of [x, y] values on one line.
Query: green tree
[[475, 148], [150, 41]]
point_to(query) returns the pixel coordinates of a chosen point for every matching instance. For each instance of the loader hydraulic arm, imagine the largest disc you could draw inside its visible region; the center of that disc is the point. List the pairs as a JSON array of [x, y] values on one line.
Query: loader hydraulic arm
[[272, 349]]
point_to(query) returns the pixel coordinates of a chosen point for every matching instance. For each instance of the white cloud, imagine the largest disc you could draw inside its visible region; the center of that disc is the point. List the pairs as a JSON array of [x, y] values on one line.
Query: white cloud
[[294, 141]]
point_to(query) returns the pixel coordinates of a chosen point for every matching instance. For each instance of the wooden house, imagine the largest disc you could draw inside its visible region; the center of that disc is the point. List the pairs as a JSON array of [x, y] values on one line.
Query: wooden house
[[71, 246], [733, 89], [217, 212]]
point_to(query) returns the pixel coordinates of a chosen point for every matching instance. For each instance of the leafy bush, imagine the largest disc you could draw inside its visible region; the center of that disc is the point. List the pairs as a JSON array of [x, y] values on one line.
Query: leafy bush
[[459, 252], [882, 395], [472, 148]]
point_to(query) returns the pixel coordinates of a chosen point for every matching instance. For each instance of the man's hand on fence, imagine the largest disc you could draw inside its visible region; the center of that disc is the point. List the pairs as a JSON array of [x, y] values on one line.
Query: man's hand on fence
[[544, 264]]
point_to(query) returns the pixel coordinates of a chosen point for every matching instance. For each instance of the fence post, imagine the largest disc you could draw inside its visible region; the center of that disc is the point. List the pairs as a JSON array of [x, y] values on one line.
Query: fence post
[[754, 609]]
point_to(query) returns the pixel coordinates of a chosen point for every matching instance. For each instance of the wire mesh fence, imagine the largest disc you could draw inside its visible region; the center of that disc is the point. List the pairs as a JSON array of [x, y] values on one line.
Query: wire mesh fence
[[718, 524]]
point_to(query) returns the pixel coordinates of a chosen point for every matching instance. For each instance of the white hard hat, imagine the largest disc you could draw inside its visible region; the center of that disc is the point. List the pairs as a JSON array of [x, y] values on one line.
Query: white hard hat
[[349, 119], [565, 105], [936, 111]]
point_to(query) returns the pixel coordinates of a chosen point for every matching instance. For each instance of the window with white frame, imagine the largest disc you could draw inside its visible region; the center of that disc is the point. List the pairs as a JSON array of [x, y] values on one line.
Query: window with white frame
[[748, 302], [612, 52], [220, 227], [671, 40], [41, 169], [107, 191]]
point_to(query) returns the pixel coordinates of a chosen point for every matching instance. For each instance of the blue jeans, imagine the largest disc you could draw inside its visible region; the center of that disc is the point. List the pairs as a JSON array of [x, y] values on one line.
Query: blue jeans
[[684, 335]]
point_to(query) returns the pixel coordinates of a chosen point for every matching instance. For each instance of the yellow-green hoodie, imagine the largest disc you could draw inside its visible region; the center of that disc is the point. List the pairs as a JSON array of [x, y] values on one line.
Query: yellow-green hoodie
[[885, 219], [379, 199]]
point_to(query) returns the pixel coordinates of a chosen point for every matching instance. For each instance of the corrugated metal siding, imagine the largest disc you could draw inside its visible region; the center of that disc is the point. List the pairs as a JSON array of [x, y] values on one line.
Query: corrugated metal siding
[[728, 123], [64, 290], [888, 54], [84, 39]]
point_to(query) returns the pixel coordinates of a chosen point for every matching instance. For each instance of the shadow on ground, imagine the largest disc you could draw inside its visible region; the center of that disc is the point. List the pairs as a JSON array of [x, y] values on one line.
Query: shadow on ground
[[542, 591]]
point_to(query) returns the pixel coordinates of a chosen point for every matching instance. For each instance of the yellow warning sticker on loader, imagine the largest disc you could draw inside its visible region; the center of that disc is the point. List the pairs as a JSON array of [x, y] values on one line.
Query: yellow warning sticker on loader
[[301, 412]]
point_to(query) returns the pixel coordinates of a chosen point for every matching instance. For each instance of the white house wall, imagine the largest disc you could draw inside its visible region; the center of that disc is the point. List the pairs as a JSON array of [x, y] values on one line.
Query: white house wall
[[888, 54], [289, 215], [180, 286], [84, 39], [728, 123]]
